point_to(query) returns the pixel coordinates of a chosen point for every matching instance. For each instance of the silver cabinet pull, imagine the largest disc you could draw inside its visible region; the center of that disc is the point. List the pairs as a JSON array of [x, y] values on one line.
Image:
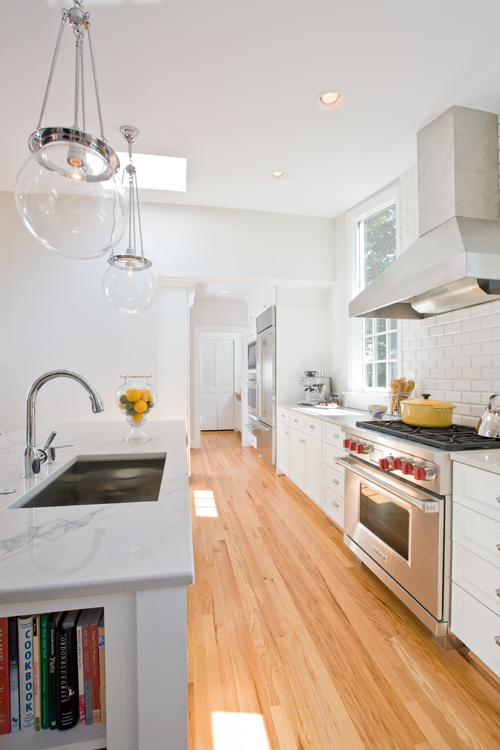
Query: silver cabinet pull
[[286, 433], [335, 481], [336, 503], [295, 420], [312, 427], [335, 435], [497, 592], [497, 640]]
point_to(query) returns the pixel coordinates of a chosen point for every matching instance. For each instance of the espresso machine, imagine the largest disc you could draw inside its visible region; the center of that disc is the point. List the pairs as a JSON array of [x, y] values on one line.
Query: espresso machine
[[317, 389]]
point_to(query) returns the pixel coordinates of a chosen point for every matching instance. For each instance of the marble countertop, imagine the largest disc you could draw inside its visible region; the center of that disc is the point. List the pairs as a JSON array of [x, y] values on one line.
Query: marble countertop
[[341, 416], [51, 553], [487, 460]]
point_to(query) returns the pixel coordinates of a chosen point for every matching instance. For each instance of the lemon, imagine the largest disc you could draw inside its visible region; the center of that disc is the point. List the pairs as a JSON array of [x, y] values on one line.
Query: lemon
[[136, 417], [140, 406], [122, 406], [133, 395], [146, 395]]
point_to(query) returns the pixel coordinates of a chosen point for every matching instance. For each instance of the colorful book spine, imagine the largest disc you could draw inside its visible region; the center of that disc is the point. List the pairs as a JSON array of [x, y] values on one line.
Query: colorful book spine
[[4, 677], [94, 651], [87, 669], [52, 673], [44, 672], [81, 677], [26, 685], [36, 669], [102, 668], [67, 670], [14, 675]]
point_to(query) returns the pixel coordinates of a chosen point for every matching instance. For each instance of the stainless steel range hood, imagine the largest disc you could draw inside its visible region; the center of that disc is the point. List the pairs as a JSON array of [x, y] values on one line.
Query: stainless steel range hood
[[456, 261]]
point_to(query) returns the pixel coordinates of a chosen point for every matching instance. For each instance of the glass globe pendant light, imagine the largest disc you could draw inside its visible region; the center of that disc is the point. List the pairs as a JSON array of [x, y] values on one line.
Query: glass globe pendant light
[[68, 193], [129, 285]]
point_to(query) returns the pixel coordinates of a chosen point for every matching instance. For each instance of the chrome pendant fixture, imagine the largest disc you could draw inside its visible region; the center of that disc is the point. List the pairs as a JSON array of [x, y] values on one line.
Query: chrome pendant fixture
[[129, 285], [68, 193]]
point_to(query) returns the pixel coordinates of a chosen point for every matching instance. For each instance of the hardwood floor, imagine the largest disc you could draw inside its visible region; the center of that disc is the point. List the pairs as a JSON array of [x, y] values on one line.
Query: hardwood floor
[[285, 627]]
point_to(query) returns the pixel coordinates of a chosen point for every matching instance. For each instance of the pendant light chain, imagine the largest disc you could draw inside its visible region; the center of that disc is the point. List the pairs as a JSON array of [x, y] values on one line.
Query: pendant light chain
[[53, 66]]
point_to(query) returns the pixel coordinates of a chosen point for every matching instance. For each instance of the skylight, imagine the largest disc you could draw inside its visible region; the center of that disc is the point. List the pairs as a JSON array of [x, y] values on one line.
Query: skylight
[[158, 172]]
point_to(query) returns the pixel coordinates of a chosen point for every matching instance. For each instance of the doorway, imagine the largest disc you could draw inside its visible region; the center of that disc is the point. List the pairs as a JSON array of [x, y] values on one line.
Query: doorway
[[217, 376]]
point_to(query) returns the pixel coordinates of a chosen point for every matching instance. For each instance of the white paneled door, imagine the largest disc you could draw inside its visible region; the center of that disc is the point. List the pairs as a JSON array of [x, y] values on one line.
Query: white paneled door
[[217, 382]]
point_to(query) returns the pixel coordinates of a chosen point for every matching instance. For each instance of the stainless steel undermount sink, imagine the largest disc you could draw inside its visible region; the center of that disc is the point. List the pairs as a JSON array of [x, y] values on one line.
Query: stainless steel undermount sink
[[95, 482]]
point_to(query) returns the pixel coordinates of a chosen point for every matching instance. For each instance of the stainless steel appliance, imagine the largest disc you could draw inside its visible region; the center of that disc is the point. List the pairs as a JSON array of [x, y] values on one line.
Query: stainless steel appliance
[[263, 420], [397, 512], [252, 393], [252, 355], [456, 261], [317, 389], [489, 424]]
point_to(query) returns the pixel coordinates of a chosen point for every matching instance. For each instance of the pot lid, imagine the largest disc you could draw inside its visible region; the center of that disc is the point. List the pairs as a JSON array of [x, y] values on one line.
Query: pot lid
[[428, 402]]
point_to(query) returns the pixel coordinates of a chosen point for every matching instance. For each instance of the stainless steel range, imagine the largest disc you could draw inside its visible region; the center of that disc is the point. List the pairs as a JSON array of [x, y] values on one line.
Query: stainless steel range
[[397, 517]]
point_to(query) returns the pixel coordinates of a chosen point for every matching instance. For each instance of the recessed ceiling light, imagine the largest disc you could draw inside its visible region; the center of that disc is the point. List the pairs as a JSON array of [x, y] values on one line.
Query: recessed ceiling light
[[276, 175], [158, 172], [224, 291], [330, 100]]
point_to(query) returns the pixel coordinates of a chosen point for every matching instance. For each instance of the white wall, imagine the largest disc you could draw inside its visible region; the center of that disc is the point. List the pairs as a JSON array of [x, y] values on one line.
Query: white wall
[[53, 315], [223, 242], [300, 340]]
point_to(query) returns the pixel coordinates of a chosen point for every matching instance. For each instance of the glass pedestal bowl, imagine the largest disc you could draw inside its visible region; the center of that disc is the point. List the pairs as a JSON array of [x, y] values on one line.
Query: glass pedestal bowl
[[135, 398]]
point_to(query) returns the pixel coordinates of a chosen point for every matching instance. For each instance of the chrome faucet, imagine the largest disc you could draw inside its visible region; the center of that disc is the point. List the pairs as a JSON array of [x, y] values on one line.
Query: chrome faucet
[[32, 457]]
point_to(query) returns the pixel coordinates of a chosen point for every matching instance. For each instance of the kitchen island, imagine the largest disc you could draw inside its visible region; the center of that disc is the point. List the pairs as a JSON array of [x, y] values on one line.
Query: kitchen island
[[133, 559]]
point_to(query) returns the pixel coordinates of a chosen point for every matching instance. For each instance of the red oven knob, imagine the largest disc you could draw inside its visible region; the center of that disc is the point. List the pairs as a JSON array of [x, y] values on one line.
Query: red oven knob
[[407, 468], [360, 448], [383, 463], [346, 443], [420, 473], [396, 464], [352, 445]]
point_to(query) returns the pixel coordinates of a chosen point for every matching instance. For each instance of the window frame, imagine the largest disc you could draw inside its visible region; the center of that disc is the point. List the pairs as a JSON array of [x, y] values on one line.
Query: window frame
[[370, 207]]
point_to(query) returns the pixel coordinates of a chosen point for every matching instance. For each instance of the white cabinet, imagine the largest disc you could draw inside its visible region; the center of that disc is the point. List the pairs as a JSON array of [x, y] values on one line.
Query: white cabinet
[[313, 468], [475, 590], [283, 445], [261, 299], [298, 458]]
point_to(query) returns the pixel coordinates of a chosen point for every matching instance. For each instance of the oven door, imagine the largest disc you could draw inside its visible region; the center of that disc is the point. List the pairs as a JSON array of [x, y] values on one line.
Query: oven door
[[252, 394], [401, 528]]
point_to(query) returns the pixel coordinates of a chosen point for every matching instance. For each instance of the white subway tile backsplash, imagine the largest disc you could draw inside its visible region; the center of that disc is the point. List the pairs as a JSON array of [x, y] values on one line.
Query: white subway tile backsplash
[[455, 356]]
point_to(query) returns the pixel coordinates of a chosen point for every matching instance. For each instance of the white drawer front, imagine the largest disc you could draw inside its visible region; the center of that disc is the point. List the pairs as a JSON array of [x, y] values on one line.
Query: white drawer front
[[333, 505], [283, 416], [313, 427], [333, 479], [330, 453], [480, 578], [297, 421], [477, 489], [476, 626], [333, 434], [477, 533]]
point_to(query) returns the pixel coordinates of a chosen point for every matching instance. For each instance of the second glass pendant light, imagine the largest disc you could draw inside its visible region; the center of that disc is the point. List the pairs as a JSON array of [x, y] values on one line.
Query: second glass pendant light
[[128, 284]]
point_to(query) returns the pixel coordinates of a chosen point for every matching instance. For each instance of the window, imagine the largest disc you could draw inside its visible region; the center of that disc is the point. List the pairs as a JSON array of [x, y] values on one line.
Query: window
[[375, 360]]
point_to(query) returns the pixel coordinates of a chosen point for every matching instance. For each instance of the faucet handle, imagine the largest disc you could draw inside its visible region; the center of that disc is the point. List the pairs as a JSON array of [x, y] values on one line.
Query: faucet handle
[[49, 440], [51, 453]]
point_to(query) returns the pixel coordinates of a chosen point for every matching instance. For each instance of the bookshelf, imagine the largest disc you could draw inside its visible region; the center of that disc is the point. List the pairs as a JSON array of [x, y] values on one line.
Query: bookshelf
[[146, 673]]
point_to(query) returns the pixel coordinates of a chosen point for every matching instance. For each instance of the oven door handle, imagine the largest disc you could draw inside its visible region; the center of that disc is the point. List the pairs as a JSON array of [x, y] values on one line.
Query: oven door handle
[[426, 506]]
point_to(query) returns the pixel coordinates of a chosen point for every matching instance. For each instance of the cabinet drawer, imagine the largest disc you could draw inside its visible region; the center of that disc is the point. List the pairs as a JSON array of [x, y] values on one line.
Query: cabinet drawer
[[480, 578], [476, 626], [333, 479], [333, 434], [313, 427], [333, 505], [283, 416], [330, 453], [477, 489], [477, 533], [298, 421]]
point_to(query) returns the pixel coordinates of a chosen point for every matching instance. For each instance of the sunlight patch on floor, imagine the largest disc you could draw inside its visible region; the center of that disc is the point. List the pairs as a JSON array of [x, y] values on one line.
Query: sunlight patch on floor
[[235, 730], [204, 503]]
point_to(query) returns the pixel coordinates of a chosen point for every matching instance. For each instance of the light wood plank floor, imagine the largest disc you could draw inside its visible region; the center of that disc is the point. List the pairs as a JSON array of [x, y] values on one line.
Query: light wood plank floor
[[284, 627]]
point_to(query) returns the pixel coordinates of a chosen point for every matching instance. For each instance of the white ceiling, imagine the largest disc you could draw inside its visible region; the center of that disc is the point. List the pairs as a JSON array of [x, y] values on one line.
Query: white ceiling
[[231, 86]]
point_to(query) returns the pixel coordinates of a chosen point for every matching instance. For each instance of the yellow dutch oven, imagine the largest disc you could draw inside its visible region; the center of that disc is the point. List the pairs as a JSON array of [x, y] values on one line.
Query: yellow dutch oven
[[426, 413]]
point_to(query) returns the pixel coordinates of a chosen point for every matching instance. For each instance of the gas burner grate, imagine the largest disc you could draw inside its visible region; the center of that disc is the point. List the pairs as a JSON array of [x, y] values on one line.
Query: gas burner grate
[[455, 438]]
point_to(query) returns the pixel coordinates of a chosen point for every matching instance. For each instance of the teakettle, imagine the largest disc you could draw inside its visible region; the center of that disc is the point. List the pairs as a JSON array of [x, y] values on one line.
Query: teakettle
[[489, 424]]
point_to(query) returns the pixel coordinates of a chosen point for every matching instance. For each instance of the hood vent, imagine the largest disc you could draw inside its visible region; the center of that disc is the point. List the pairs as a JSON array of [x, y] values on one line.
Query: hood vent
[[456, 261]]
